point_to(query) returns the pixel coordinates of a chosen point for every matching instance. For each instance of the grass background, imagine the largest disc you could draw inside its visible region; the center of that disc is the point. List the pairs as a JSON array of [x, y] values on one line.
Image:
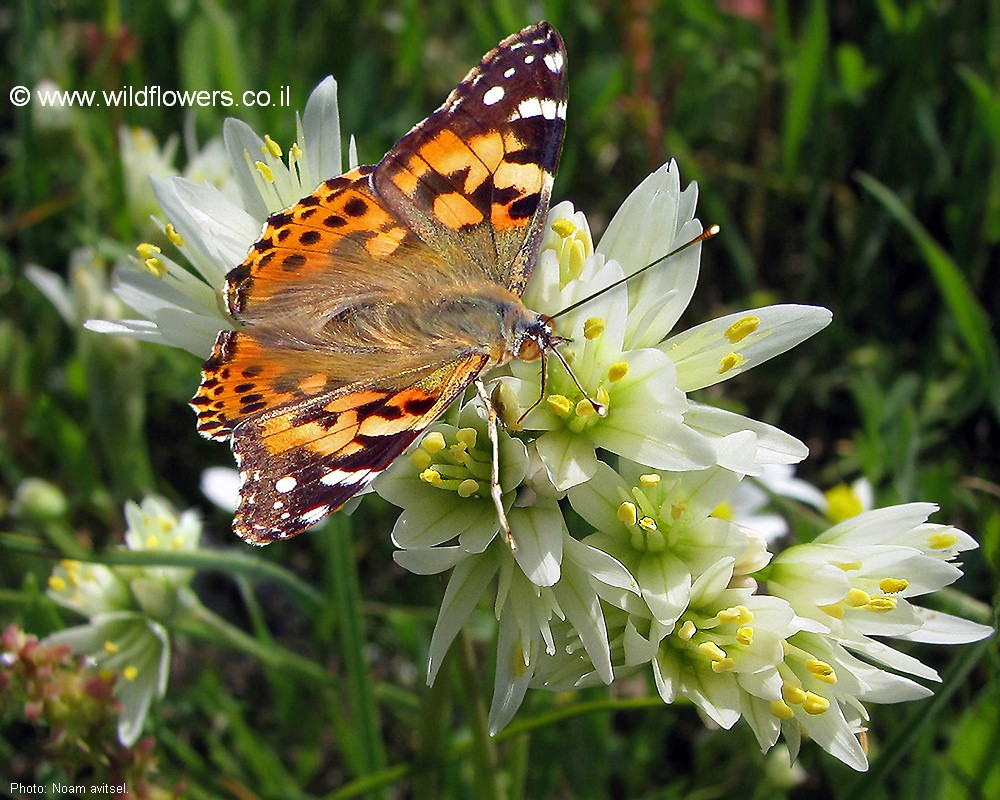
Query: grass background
[[850, 153]]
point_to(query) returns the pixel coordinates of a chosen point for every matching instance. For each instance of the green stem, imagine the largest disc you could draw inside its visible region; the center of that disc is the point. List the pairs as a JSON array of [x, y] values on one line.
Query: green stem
[[489, 781], [198, 621], [430, 749], [342, 575]]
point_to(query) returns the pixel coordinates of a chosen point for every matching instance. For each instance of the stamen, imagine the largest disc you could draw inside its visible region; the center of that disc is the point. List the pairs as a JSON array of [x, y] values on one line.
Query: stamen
[[617, 371], [781, 709], [835, 610], [856, 598], [130, 673], [270, 146], [593, 327], [431, 476], [726, 664], [152, 542], [648, 524], [266, 172], [584, 408], [651, 479], [627, 513], [744, 635], [892, 585], [712, 650], [433, 442], [815, 704], [563, 227], [821, 670], [468, 487], [467, 436], [420, 459], [147, 250], [848, 566], [560, 404], [175, 238], [678, 509], [687, 630], [294, 153], [742, 328], [881, 604], [740, 614], [792, 694], [110, 647], [730, 362], [57, 584], [842, 502]]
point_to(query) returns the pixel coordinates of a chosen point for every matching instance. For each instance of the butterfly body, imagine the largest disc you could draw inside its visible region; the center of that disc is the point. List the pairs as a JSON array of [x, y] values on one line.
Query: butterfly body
[[371, 304]]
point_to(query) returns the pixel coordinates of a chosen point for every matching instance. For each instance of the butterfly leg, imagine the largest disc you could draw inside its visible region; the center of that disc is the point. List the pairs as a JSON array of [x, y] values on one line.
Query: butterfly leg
[[495, 492]]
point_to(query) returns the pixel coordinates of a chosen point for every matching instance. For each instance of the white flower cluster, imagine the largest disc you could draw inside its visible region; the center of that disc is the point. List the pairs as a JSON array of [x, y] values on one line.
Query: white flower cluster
[[666, 580], [127, 608]]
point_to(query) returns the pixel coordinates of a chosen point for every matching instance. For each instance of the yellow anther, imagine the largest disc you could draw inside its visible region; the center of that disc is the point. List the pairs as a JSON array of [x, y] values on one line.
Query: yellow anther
[[563, 227], [847, 566], [730, 362], [433, 442], [560, 404], [678, 509], [266, 172], [821, 670], [156, 267], [177, 543], [726, 664], [651, 479], [468, 487], [517, 659], [577, 258], [781, 709], [73, 576], [814, 703], [431, 476], [147, 250], [842, 502], [152, 542], [856, 598], [420, 459], [792, 694], [57, 584], [835, 610], [110, 647], [617, 371], [294, 153], [627, 513], [892, 585], [740, 614], [648, 524], [881, 604], [106, 675], [130, 673], [585, 408], [712, 650], [742, 328], [593, 327], [744, 635], [687, 630], [172, 234], [270, 146], [723, 511], [942, 541], [467, 436]]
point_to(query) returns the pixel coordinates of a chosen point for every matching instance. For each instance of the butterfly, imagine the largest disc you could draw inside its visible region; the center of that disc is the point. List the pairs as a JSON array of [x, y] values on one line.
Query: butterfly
[[369, 306]]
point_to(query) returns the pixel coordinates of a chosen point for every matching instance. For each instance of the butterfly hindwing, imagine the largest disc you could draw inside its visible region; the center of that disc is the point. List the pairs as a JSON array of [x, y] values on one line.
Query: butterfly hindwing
[[302, 461]]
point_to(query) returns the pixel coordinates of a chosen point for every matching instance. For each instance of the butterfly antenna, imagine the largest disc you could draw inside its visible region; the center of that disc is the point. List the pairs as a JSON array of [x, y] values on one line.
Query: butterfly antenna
[[599, 408], [708, 234]]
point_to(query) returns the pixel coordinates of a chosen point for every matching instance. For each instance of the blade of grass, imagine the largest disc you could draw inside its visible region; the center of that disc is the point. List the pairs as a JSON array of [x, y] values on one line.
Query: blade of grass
[[805, 87], [972, 321]]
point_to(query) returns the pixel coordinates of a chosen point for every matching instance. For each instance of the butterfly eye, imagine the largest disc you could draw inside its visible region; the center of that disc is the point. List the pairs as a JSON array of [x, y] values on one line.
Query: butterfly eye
[[529, 349]]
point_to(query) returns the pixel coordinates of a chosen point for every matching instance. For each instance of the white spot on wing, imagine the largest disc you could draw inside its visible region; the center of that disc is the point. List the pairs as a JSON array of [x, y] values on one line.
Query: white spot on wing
[[509, 73], [285, 484], [314, 515], [529, 59], [493, 95], [533, 107], [554, 61], [338, 477]]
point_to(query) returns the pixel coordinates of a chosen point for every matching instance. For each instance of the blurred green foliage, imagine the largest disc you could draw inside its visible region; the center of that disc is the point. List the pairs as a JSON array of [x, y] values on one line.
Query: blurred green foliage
[[850, 153]]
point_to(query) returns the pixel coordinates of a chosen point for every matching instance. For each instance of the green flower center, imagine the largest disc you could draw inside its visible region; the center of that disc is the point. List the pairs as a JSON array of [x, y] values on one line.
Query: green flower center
[[457, 465]]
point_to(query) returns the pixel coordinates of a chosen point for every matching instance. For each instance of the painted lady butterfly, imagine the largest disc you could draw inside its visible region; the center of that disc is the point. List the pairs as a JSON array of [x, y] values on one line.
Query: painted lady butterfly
[[373, 303]]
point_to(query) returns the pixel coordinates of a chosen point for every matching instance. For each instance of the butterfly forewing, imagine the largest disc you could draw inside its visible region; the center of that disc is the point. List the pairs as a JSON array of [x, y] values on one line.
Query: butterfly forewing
[[357, 326], [474, 178]]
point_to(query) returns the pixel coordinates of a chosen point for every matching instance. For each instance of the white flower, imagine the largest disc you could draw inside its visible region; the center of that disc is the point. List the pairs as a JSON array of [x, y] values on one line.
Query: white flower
[[127, 607], [858, 578], [621, 353], [214, 233]]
